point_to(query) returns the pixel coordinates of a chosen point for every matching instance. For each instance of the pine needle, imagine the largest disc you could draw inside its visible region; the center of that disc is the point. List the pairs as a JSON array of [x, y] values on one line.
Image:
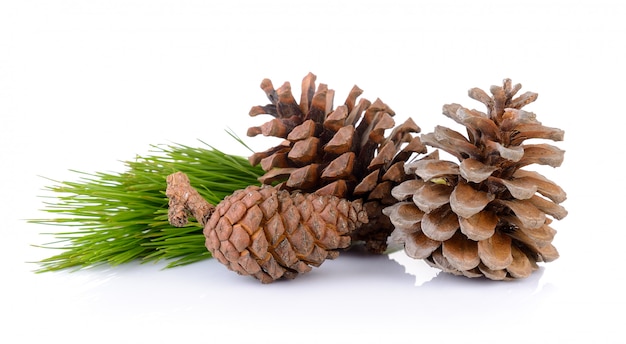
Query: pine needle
[[115, 218]]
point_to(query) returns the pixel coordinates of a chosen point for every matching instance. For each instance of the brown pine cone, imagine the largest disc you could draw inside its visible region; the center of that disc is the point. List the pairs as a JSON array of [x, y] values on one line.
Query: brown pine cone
[[483, 216], [269, 233], [342, 152]]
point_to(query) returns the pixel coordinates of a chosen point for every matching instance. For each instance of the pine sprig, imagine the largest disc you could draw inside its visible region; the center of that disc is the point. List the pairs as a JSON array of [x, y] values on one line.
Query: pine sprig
[[115, 218]]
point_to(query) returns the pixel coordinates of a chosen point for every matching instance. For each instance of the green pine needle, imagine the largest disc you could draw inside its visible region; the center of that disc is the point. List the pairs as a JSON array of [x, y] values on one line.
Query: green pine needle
[[115, 218]]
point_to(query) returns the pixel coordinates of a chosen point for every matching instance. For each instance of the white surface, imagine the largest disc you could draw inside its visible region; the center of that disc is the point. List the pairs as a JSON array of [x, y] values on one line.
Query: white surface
[[84, 84]]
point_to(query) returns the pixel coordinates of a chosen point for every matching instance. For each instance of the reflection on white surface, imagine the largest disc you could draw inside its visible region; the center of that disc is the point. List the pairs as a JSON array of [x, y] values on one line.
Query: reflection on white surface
[[418, 268], [426, 275], [354, 297], [479, 293]]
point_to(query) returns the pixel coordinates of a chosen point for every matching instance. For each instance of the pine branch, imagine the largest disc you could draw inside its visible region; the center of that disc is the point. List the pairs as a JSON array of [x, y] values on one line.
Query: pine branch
[[115, 218]]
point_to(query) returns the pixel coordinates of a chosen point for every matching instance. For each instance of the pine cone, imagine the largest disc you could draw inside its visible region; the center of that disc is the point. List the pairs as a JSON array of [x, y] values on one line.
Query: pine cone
[[265, 232], [341, 152], [484, 216]]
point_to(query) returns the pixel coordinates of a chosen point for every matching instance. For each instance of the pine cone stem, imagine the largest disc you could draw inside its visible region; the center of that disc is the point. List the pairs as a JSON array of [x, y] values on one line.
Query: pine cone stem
[[185, 200]]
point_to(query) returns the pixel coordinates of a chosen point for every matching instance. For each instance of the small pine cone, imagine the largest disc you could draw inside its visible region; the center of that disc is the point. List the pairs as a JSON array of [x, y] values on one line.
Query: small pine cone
[[341, 152], [270, 234], [484, 216]]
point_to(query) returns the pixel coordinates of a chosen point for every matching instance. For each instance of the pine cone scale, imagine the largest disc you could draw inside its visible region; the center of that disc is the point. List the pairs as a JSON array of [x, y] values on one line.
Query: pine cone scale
[[466, 201], [253, 217], [340, 168], [420, 246], [495, 251], [341, 141], [240, 238], [259, 246], [440, 224], [461, 253], [274, 230], [521, 266], [480, 226]]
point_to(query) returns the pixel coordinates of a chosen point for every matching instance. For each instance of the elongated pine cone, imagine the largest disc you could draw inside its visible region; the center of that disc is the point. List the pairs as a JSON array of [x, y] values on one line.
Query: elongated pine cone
[[342, 152], [269, 233], [483, 216]]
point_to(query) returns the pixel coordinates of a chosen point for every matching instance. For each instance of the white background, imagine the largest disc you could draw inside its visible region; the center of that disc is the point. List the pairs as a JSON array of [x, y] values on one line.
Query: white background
[[87, 84]]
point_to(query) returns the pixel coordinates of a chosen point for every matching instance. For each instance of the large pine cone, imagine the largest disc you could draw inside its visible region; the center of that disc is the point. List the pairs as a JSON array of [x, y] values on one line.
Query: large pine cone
[[484, 216], [342, 152], [272, 234]]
